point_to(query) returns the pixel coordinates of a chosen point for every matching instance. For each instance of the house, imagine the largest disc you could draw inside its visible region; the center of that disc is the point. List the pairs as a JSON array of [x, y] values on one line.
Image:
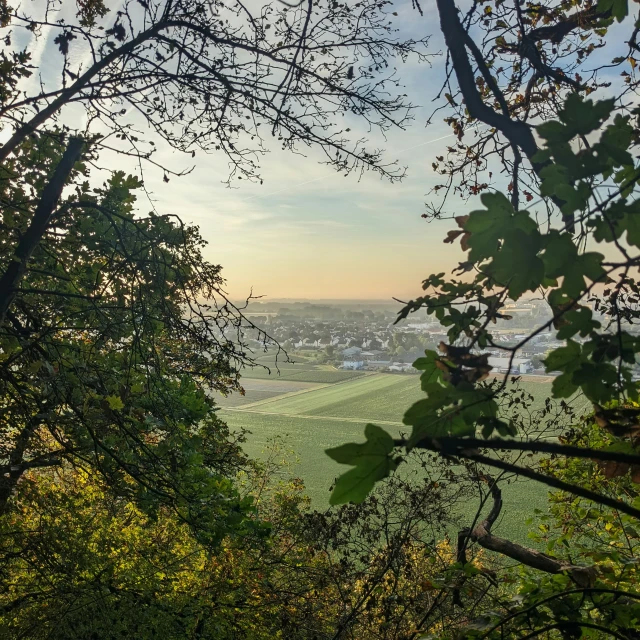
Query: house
[[402, 367], [374, 365], [353, 364], [352, 358], [515, 366], [373, 354]]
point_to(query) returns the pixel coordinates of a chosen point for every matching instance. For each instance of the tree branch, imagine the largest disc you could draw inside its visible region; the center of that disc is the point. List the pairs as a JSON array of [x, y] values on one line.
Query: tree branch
[[481, 533], [450, 445], [456, 38], [550, 481], [38, 226]]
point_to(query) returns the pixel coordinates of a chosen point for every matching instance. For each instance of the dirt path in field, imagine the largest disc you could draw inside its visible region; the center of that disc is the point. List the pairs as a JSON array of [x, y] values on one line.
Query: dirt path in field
[[306, 417]]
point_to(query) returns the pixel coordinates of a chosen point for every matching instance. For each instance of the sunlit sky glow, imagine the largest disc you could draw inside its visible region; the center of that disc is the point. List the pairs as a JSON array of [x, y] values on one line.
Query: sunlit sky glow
[[308, 232]]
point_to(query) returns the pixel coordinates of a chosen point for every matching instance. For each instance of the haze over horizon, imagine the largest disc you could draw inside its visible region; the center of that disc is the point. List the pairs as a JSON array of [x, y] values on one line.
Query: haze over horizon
[[307, 231]]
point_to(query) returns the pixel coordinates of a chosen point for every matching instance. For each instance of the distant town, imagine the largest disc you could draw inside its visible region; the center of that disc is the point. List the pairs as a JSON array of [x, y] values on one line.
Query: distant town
[[362, 336]]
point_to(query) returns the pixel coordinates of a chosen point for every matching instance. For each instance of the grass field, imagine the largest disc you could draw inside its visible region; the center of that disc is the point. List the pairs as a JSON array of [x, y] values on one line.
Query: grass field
[[375, 397], [313, 417], [302, 372], [307, 438], [258, 390]]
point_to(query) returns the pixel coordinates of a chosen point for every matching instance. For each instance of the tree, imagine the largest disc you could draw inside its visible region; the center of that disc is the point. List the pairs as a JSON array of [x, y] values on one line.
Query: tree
[[113, 329], [77, 561], [603, 598], [511, 67], [581, 160], [212, 77]]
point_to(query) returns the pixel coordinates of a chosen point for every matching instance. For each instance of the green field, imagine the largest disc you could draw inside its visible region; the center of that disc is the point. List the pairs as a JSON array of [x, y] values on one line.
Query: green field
[[376, 397], [258, 390], [312, 418], [302, 372], [238, 400]]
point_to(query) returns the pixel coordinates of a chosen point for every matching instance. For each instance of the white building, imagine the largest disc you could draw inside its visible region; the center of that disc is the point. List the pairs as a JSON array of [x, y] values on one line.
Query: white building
[[515, 366]]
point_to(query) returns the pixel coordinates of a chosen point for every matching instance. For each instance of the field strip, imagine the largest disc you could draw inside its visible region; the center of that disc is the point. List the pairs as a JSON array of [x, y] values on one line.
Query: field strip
[[287, 395], [320, 385], [306, 417], [327, 399]]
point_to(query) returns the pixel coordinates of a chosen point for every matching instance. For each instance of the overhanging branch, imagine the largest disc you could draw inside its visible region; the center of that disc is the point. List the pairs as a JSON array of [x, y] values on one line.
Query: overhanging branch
[[456, 39], [481, 533], [450, 445]]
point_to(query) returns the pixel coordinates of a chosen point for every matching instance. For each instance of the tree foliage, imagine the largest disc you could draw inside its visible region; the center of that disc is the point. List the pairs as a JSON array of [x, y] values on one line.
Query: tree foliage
[[516, 85], [78, 562], [213, 77], [114, 328]]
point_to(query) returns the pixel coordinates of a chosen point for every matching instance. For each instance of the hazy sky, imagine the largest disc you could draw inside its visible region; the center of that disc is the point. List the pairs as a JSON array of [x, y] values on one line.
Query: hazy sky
[[307, 231]]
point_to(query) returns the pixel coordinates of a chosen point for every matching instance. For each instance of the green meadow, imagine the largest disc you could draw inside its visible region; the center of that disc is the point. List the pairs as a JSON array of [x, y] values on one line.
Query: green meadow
[[310, 417]]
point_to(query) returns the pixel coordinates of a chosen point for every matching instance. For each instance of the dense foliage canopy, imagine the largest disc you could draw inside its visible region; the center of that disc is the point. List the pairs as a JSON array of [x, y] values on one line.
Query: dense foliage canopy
[[524, 83], [127, 508]]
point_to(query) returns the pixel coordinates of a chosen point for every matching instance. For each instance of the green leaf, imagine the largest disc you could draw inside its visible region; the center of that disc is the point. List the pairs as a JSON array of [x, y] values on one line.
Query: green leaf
[[597, 381], [432, 374], [372, 462], [554, 132], [115, 402], [632, 223], [579, 320], [559, 252], [378, 442], [356, 484], [561, 259], [585, 116], [619, 8], [563, 386], [497, 201], [568, 357], [517, 265], [346, 453], [553, 177]]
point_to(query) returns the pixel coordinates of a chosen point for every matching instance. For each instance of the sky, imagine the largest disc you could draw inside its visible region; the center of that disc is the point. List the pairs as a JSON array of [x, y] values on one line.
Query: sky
[[308, 232]]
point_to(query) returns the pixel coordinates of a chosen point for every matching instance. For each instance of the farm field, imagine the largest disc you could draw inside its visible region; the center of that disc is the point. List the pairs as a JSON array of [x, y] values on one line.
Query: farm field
[[313, 417], [306, 438], [374, 397], [299, 371], [257, 390]]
